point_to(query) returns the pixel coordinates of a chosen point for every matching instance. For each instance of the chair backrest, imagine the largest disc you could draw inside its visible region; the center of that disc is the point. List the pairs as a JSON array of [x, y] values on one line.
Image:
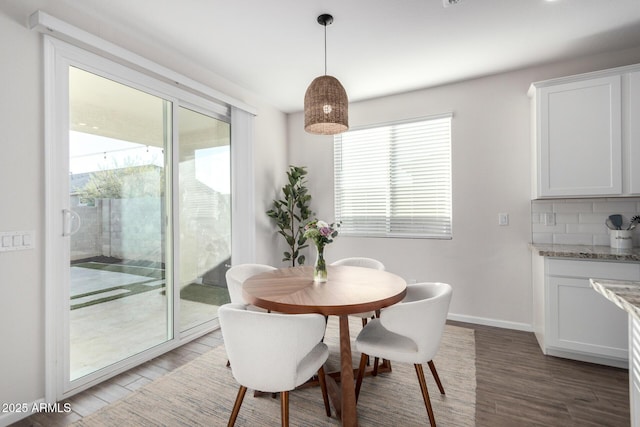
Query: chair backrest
[[265, 350], [420, 316], [237, 274], [360, 262]]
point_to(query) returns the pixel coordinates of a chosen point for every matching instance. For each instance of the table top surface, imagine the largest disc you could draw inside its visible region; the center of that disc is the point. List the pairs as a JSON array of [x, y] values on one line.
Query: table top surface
[[348, 290]]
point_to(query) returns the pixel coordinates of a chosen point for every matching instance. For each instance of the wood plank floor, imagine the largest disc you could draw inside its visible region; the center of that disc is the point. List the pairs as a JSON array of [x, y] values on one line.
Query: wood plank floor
[[516, 385]]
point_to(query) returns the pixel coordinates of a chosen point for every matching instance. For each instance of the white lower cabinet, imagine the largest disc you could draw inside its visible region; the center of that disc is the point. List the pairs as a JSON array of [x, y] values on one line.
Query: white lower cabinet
[[576, 322]]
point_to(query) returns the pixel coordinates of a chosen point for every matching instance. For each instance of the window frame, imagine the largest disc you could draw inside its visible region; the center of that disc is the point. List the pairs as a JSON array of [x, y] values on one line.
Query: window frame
[[394, 168]]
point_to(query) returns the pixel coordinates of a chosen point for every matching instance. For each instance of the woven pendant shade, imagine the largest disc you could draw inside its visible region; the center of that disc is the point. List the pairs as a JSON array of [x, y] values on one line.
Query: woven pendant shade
[[325, 102], [326, 107]]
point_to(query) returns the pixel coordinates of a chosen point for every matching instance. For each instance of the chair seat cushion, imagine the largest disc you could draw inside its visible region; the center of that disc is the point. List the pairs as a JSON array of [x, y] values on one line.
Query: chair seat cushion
[[374, 340]]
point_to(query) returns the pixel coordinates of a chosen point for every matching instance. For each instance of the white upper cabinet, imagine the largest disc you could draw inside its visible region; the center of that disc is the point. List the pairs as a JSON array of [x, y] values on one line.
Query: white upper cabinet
[[586, 142], [632, 133], [578, 138]]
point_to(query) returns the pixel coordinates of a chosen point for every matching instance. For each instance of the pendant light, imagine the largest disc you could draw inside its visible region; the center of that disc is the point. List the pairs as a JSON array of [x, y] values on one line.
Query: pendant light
[[325, 102]]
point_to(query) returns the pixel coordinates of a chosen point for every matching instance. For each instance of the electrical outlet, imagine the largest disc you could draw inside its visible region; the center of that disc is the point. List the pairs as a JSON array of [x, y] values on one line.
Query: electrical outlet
[[503, 219], [548, 218]]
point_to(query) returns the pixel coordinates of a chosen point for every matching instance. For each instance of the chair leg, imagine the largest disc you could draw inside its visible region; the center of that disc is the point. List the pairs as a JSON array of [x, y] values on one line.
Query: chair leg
[[284, 408], [364, 323], [323, 388], [376, 361], [363, 362], [435, 376], [326, 320], [236, 406], [425, 393]]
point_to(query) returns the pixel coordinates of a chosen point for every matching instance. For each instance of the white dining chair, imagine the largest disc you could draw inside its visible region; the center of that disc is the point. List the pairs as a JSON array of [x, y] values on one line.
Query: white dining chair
[[273, 352], [409, 332], [366, 263], [237, 274]]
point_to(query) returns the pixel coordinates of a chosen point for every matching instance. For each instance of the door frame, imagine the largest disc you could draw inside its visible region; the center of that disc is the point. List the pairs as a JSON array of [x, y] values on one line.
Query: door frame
[[58, 56]]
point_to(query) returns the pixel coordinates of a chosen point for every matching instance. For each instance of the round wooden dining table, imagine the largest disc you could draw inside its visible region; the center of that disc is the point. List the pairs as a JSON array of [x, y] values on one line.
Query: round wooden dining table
[[348, 290]]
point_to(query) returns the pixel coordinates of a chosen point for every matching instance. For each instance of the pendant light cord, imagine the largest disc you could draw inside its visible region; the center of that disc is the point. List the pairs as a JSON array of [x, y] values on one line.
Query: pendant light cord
[[325, 49]]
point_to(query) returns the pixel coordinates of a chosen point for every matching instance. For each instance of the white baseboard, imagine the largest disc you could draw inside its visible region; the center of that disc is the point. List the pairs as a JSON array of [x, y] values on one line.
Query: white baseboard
[[491, 322], [7, 418], [608, 361]]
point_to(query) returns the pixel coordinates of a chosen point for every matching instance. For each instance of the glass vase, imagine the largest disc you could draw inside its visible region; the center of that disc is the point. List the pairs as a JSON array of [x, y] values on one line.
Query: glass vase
[[320, 268]]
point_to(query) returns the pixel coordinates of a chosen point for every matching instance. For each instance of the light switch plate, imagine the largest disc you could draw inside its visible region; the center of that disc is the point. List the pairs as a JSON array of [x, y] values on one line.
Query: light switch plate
[[16, 240]]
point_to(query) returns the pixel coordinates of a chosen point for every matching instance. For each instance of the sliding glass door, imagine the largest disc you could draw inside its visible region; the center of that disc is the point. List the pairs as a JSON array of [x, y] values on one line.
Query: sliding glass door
[[205, 215], [119, 290], [145, 235]]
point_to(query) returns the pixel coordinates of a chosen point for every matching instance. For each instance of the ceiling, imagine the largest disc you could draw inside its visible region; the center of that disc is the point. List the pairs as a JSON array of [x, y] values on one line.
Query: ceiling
[[374, 47]]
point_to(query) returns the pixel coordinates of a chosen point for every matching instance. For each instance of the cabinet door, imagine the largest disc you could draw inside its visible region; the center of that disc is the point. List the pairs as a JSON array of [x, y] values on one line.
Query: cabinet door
[[579, 137], [584, 321], [632, 127]]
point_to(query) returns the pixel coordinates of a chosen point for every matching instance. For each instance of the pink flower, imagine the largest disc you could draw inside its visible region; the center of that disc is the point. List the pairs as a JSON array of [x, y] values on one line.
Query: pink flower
[[320, 232]]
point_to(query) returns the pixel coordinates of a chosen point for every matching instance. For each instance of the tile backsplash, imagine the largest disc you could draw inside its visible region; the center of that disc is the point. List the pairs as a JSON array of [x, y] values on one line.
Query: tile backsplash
[[579, 221]]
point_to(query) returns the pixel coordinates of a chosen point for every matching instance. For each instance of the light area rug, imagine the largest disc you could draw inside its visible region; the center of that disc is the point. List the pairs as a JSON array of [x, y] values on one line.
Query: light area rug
[[202, 393]]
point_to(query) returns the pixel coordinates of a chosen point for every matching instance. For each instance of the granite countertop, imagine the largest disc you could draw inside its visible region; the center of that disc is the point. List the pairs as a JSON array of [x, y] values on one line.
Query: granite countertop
[[587, 252], [624, 294]]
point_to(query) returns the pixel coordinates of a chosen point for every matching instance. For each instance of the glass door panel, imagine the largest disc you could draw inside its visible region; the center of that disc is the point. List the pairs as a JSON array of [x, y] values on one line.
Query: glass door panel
[[205, 215], [119, 292]]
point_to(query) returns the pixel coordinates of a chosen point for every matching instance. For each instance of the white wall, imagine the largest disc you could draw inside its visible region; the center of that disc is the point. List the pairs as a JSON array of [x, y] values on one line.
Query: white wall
[[21, 174], [22, 177], [487, 265]]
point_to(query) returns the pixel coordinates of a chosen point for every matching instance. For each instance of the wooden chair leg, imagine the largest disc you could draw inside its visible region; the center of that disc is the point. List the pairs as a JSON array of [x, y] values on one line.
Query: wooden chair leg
[[284, 408], [375, 366], [326, 320], [363, 362], [323, 388], [435, 376], [364, 323], [236, 406], [425, 394]]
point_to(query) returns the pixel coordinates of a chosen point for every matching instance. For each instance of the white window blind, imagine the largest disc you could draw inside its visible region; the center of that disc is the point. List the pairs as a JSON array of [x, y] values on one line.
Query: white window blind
[[394, 180]]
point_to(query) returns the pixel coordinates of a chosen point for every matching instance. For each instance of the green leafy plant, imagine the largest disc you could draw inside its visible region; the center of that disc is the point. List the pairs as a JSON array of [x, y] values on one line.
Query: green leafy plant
[[291, 213]]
